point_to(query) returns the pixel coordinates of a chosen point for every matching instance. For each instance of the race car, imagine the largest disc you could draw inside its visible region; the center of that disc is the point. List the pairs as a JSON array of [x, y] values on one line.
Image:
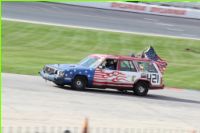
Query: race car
[[107, 71]]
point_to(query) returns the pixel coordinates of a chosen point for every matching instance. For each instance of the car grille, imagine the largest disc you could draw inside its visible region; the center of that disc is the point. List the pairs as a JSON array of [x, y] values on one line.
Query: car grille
[[50, 70]]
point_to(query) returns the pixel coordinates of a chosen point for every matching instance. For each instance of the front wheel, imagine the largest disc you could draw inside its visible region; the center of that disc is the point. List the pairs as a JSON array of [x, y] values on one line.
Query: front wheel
[[79, 83], [141, 89]]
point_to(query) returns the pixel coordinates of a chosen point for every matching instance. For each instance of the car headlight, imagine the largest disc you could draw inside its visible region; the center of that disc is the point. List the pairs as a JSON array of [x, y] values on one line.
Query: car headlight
[[61, 74]]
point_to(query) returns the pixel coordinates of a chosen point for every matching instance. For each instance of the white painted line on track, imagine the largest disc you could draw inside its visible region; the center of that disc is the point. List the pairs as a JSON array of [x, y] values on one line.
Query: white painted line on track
[[98, 29], [175, 29], [164, 24], [190, 35], [150, 19]]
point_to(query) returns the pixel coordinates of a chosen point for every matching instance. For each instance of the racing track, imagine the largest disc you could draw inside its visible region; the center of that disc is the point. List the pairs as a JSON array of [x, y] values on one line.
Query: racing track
[[99, 18], [33, 104]]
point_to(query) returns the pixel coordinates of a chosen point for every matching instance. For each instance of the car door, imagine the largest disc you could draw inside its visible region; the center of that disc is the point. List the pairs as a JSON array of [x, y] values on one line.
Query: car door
[[128, 73], [105, 74]]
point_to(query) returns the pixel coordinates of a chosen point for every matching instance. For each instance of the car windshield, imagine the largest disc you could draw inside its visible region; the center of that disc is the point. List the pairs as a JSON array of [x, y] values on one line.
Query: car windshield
[[90, 62]]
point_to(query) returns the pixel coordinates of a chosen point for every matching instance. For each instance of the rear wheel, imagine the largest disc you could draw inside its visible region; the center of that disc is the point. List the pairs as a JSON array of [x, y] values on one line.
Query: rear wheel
[[141, 89], [79, 83]]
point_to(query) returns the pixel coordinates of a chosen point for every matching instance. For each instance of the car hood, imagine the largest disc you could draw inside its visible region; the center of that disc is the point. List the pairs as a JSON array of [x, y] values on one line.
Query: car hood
[[66, 66]]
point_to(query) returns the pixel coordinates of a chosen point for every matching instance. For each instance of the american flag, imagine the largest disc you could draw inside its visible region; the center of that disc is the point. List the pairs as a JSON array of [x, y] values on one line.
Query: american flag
[[152, 55], [112, 78]]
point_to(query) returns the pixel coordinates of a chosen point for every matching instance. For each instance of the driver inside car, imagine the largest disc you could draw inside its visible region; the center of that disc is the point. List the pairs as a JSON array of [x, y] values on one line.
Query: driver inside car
[[111, 64]]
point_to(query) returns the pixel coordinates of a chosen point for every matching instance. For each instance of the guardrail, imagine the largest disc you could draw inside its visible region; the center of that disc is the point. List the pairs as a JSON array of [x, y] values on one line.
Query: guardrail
[[142, 8]]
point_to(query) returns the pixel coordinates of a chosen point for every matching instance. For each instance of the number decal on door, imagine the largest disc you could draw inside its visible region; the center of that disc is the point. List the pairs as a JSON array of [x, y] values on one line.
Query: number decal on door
[[154, 78]]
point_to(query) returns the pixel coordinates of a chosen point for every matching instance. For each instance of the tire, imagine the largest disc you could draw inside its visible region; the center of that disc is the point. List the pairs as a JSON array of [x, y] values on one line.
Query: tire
[[79, 83], [141, 89]]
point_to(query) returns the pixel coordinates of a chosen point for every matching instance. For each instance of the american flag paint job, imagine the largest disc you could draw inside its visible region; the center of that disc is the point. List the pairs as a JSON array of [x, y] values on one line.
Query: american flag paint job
[[103, 77], [111, 77]]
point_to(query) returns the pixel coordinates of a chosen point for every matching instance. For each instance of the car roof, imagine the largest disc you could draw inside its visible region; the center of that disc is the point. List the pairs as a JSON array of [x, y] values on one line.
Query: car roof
[[120, 57]]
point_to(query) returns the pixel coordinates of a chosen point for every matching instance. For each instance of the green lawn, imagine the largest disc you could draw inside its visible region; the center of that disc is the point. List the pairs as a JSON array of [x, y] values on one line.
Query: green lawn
[[27, 47]]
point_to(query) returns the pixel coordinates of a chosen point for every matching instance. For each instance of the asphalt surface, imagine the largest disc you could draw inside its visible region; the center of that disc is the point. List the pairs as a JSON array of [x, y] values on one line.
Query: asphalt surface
[[98, 18], [30, 104]]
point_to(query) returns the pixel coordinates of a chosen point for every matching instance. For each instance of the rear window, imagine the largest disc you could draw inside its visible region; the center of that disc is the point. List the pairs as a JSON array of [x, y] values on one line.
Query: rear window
[[126, 65], [147, 67]]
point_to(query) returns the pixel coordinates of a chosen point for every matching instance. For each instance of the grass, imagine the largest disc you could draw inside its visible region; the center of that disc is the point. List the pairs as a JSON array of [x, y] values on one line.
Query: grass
[[27, 47]]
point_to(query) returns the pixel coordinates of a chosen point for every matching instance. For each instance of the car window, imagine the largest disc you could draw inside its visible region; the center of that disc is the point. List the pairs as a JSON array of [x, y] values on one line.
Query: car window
[[126, 65], [109, 64], [147, 67], [89, 61]]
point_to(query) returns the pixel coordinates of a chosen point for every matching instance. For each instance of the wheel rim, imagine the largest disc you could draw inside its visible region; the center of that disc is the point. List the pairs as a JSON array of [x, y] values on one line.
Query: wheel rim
[[141, 89], [79, 83]]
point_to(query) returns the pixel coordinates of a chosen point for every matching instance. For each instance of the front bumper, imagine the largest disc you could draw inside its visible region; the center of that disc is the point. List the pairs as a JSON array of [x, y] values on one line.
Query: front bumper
[[55, 78], [50, 77]]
